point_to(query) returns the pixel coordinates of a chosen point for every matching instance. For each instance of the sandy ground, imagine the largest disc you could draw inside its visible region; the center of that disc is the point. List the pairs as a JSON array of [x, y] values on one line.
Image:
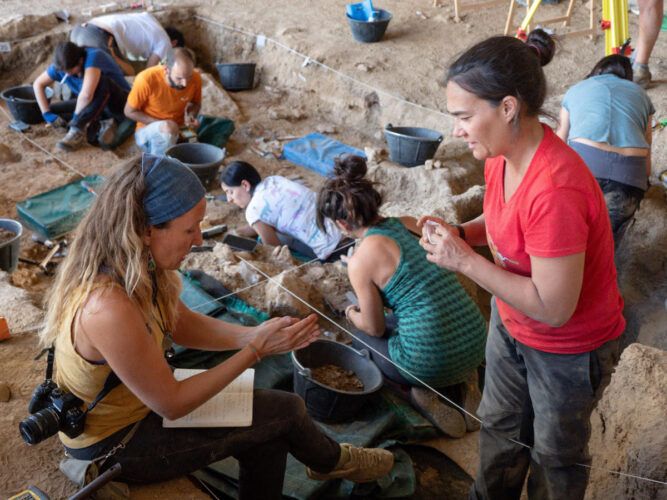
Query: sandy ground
[[396, 81]]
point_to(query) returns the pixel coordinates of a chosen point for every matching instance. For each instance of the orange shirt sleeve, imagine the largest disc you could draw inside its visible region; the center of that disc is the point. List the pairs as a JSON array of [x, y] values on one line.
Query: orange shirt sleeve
[[138, 96], [197, 91]]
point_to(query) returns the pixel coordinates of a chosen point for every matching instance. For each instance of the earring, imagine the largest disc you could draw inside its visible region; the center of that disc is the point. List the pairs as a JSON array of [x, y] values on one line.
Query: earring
[[151, 263]]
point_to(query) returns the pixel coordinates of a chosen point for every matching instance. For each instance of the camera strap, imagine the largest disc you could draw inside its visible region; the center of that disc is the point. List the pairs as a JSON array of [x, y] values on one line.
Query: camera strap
[[110, 384]]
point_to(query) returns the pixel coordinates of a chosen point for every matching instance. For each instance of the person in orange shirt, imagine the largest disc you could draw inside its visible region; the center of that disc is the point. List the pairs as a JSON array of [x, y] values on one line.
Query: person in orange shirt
[[163, 99]]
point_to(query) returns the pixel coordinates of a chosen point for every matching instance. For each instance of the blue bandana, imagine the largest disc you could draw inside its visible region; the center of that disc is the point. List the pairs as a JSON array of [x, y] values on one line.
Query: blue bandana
[[171, 188]]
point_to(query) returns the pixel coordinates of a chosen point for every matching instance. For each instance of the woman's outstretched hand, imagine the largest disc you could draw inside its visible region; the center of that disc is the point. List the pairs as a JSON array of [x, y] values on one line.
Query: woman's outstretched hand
[[443, 245], [280, 335]]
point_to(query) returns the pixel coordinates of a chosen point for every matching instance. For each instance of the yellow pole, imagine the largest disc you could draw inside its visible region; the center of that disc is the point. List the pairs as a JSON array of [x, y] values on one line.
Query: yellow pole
[[607, 33]]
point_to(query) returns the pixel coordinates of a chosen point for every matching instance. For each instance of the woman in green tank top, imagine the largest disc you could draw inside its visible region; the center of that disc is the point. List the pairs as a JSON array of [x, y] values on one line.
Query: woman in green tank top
[[436, 333]]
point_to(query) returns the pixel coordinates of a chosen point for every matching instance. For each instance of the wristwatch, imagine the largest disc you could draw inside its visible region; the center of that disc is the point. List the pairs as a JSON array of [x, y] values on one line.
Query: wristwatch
[[462, 232]]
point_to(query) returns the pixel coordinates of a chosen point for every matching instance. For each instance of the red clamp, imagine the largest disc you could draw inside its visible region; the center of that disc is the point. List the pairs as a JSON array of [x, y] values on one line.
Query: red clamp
[[521, 35], [604, 24]]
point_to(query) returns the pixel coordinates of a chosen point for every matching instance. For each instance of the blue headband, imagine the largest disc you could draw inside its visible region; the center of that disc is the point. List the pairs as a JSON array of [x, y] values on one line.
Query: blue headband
[[171, 188]]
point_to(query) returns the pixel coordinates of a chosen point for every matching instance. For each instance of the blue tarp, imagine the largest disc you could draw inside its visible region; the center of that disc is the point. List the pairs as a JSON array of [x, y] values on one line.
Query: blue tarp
[[317, 152]]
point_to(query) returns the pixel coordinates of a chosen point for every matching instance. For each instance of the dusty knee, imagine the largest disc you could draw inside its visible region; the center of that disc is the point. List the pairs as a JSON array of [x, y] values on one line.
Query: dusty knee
[[169, 127]]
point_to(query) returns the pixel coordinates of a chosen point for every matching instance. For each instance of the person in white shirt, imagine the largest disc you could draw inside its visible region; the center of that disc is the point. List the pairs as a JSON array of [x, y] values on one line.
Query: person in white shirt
[[129, 37], [281, 212]]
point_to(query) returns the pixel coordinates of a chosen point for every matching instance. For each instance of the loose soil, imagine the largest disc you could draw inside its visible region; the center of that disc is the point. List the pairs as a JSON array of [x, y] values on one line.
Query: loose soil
[[337, 378], [5, 235], [294, 97]]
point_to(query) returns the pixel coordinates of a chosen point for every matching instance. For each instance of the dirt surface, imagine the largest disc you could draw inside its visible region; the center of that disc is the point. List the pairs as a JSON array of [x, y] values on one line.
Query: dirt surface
[[5, 235], [395, 81], [337, 378]]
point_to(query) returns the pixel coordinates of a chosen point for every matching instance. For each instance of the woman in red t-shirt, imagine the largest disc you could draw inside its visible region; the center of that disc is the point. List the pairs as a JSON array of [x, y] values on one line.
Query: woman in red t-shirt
[[557, 312]]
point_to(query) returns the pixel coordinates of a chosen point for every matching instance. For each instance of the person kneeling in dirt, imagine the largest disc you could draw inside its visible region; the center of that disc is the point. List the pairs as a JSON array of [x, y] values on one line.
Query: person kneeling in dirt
[[164, 99], [436, 332], [606, 118], [135, 37], [101, 90], [115, 307], [281, 212]]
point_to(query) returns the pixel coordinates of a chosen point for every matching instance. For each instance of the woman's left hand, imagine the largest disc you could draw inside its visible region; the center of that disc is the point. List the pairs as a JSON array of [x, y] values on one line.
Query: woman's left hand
[[447, 250]]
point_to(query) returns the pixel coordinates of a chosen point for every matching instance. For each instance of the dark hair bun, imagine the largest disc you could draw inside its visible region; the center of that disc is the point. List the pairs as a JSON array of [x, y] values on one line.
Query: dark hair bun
[[543, 45], [350, 167]]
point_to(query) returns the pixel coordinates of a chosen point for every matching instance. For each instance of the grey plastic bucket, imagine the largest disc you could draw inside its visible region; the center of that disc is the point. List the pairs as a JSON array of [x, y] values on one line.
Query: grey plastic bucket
[[326, 403], [411, 146], [370, 31], [9, 250], [23, 105], [236, 76], [203, 159]]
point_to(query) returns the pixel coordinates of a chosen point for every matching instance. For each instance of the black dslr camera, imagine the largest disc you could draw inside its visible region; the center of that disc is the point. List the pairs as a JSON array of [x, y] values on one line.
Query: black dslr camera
[[52, 410]]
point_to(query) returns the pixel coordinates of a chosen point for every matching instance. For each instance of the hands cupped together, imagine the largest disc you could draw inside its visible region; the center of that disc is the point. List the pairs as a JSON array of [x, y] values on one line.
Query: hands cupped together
[[443, 245]]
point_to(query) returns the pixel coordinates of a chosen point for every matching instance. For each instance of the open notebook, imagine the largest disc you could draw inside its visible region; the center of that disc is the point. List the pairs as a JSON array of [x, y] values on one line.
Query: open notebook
[[231, 407]]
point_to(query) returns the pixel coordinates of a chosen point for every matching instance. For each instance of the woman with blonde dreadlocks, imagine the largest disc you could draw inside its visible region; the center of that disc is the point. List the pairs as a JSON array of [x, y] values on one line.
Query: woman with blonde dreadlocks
[[114, 308]]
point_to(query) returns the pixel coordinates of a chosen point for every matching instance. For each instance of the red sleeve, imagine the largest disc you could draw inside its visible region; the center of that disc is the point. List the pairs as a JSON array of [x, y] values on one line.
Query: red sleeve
[[557, 224]]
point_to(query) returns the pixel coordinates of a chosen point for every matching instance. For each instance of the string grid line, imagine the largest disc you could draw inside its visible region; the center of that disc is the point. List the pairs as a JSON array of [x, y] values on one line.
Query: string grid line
[[317, 311]]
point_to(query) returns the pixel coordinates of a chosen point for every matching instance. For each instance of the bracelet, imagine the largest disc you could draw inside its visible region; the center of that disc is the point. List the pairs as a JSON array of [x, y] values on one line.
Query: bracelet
[[462, 232], [255, 352]]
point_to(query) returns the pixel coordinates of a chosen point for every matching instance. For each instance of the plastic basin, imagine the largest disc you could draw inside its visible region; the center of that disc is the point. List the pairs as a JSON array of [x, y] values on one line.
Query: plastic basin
[[411, 146], [203, 159], [23, 105], [9, 250], [236, 76], [325, 403], [370, 31]]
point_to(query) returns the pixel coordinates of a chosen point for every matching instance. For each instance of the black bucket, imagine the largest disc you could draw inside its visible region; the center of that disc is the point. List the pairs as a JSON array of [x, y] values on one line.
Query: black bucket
[[236, 76], [411, 146], [325, 403], [9, 250], [203, 159], [370, 31], [23, 105]]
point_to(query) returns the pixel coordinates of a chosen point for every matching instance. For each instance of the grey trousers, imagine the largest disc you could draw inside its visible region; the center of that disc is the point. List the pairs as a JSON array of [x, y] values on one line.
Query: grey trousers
[[543, 400]]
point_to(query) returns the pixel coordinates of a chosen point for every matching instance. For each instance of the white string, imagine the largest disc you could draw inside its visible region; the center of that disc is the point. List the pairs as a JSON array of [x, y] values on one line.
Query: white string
[[428, 386], [59, 160], [222, 297], [310, 60]]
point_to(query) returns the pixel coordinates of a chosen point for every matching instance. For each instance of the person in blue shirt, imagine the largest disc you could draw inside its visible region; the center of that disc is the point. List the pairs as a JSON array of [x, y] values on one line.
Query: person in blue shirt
[[101, 90], [606, 118]]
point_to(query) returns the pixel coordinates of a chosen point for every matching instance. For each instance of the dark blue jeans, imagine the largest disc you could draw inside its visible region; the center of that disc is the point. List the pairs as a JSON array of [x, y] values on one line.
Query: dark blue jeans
[[109, 99], [622, 202], [280, 426], [544, 400]]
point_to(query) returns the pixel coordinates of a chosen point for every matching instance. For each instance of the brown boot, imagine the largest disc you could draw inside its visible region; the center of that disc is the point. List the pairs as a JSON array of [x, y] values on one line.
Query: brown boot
[[360, 465], [449, 420]]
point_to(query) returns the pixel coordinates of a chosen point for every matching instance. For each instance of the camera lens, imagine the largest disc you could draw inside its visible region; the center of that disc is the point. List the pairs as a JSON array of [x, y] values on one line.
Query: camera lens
[[39, 426]]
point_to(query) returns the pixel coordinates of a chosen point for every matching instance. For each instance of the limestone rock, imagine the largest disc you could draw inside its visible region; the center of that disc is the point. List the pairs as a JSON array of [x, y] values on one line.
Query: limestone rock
[[628, 428], [19, 27], [375, 155], [282, 255], [279, 302], [216, 101], [17, 307]]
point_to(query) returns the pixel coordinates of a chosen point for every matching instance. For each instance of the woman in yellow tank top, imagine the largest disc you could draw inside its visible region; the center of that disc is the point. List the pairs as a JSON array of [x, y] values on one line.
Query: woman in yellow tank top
[[116, 298]]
